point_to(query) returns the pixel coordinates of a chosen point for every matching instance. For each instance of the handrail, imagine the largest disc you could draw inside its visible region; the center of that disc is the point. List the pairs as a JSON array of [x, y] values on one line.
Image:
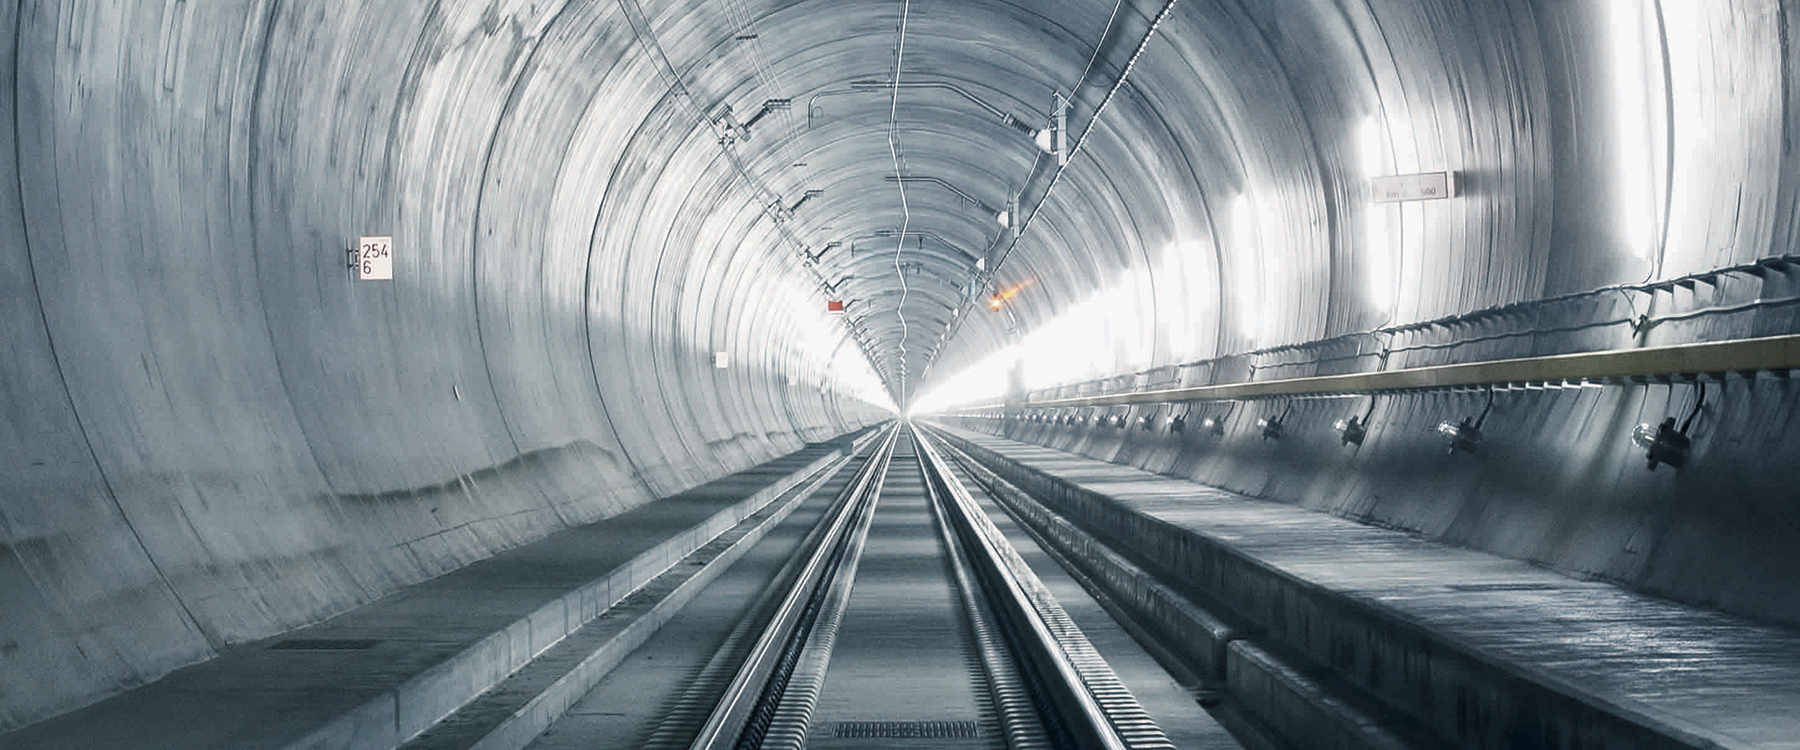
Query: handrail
[[1772, 353], [1078, 708], [1759, 267]]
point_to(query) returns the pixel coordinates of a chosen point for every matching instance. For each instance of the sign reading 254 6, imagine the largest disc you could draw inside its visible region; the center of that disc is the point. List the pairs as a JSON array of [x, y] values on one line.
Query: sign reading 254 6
[[375, 259]]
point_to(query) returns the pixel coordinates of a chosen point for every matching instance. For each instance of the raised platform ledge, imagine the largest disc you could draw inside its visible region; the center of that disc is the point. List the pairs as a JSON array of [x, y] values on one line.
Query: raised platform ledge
[[1484, 651]]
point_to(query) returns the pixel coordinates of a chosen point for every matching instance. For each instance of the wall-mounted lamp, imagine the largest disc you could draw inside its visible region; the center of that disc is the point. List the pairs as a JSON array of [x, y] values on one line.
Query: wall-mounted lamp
[[1178, 424], [1465, 436], [1352, 431], [1214, 425], [1271, 427], [1146, 422], [1664, 443]]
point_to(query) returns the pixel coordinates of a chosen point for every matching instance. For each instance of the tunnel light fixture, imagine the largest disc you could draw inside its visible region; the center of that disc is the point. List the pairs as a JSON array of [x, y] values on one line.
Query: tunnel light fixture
[[1177, 424], [1213, 425], [721, 360], [1272, 428], [1465, 436], [1352, 431], [1146, 423], [1665, 443]]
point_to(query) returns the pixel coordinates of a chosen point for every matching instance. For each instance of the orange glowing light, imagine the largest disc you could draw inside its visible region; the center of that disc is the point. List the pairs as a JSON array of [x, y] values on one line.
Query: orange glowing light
[[1003, 295]]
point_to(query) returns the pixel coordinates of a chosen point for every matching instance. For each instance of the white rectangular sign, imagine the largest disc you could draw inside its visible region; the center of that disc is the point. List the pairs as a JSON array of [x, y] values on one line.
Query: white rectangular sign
[[375, 259], [1412, 187], [721, 360]]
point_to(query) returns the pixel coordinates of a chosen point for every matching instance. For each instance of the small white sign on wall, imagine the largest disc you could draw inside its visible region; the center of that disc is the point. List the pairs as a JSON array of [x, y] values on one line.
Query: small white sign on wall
[[375, 259], [721, 360], [1412, 187]]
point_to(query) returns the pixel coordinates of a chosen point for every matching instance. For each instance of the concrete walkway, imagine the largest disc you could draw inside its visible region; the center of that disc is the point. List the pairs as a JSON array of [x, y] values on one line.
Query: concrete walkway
[[1487, 651], [378, 674]]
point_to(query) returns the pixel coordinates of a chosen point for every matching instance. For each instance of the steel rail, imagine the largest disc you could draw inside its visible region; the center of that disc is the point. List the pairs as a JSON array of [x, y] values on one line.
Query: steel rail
[[1076, 708], [1772, 353], [727, 721]]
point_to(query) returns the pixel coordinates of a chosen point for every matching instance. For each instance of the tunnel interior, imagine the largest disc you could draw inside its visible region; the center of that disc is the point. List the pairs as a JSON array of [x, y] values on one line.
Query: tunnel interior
[[619, 230]]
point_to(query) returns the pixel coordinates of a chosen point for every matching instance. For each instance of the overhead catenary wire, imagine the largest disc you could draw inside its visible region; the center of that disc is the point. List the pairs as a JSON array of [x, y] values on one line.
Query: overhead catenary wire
[[1024, 225], [905, 211], [769, 200]]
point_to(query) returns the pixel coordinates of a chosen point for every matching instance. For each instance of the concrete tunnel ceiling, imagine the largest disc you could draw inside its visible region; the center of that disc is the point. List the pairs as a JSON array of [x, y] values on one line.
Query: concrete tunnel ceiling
[[214, 433], [771, 134]]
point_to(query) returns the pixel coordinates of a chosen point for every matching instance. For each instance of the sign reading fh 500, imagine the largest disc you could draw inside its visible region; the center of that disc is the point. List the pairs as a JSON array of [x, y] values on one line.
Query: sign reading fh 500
[[375, 259]]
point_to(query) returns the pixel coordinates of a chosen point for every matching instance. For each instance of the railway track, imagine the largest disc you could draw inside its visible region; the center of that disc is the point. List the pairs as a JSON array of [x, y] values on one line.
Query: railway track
[[930, 632]]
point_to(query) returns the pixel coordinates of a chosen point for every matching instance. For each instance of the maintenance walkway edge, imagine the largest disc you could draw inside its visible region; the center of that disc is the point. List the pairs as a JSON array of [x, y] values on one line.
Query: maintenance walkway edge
[[1484, 651], [375, 676]]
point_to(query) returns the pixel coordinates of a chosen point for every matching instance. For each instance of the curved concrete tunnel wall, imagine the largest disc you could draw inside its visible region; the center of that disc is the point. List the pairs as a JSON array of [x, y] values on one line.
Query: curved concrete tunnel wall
[[212, 434], [1515, 97]]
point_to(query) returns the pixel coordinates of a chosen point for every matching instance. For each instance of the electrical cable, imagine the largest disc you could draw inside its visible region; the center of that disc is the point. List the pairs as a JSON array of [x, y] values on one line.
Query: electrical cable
[[905, 211]]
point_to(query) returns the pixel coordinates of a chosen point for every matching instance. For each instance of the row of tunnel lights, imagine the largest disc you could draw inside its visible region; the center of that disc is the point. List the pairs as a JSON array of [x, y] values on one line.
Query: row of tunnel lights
[[1663, 443]]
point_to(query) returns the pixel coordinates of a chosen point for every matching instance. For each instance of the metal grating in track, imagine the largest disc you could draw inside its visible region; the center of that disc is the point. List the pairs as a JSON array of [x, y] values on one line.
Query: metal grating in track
[[324, 644], [907, 730], [1503, 587]]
